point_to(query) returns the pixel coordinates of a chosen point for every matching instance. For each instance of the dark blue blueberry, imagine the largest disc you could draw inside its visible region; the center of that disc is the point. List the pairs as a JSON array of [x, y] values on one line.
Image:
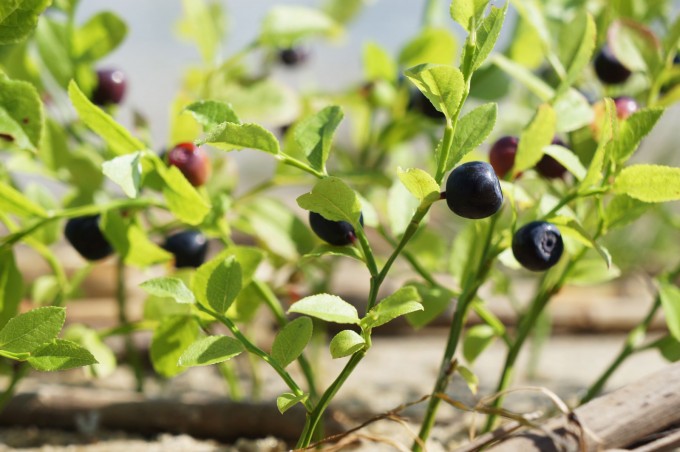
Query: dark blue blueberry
[[473, 190], [337, 233], [537, 245], [84, 235], [609, 69], [189, 248]]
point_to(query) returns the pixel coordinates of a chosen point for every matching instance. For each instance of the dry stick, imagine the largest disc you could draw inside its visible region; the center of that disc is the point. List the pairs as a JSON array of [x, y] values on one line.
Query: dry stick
[[668, 442]]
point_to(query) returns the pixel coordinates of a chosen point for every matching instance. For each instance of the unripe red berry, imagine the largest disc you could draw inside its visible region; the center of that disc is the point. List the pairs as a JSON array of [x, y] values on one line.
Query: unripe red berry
[[192, 161]]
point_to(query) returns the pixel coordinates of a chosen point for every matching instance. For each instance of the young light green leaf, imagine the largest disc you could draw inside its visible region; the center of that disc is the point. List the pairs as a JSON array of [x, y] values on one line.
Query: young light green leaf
[[53, 40], [18, 18], [571, 227], [345, 343], [623, 209], [26, 332], [126, 171], [632, 131], [89, 339], [99, 36], [464, 10], [477, 339], [334, 200], [331, 250], [229, 136], [442, 85], [212, 113], [535, 136], [567, 158], [326, 307], [168, 287], [378, 64], [433, 45], [287, 400], [634, 45], [590, 271], [60, 354], [434, 301], [649, 183], [314, 135], [400, 208], [420, 184], [523, 75], [210, 350], [217, 283], [181, 197], [13, 201], [131, 241], [472, 130], [116, 136], [292, 340], [202, 23], [670, 301], [285, 25], [487, 35], [576, 53], [401, 302], [573, 111], [21, 114], [11, 286], [171, 338], [470, 378], [248, 257]]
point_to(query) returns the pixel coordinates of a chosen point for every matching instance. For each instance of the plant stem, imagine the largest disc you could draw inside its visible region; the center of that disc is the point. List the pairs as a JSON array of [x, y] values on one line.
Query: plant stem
[[228, 372], [301, 165], [131, 351], [17, 374]]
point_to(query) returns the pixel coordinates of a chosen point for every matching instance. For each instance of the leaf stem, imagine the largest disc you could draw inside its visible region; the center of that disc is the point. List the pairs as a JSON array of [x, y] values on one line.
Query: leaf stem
[[301, 165], [131, 351]]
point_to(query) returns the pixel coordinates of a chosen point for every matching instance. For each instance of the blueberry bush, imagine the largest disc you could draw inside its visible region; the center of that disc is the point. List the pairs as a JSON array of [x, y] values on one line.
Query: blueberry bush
[[558, 113]]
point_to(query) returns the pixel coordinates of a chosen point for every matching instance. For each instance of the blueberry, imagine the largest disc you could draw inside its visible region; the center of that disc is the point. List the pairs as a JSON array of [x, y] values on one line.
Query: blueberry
[[337, 233], [421, 104], [192, 161], [473, 190], [537, 245], [625, 106], [84, 235], [550, 168], [110, 89], [293, 56], [189, 248], [502, 155], [609, 69]]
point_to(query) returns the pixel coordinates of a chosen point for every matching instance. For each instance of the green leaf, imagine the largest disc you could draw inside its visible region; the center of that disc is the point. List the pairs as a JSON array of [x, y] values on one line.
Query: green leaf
[[623, 209], [99, 36], [401, 302], [470, 378], [487, 35], [12, 201], [54, 42], [567, 158], [590, 271], [669, 347], [248, 257], [670, 301], [11, 286], [634, 45], [434, 301], [171, 338], [477, 339], [325, 250], [378, 64], [211, 113], [573, 111], [181, 197], [210, 350], [649, 183], [90, 340], [116, 136], [18, 18], [334, 200], [203, 24], [326, 307], [314, 135], [217, 283], [571, 227], [535, 136], [442, 85], [576, 53], [287, 400], [432, 45], [401, 206], [292, 340], [21, 114], [345, 343], [229, 136], [420, 184], [523, 75], [170, 288], [632, 131], [126, 172], [607, 129], [283, 26], [462, 11], [26, 332], [60, 354], [131, 241], [472, 130]]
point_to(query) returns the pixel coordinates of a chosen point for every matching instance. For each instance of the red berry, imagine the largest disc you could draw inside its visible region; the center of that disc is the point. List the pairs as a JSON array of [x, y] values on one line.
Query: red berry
[[625, 106], [192, 161], [111, 84], [502, 155]]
